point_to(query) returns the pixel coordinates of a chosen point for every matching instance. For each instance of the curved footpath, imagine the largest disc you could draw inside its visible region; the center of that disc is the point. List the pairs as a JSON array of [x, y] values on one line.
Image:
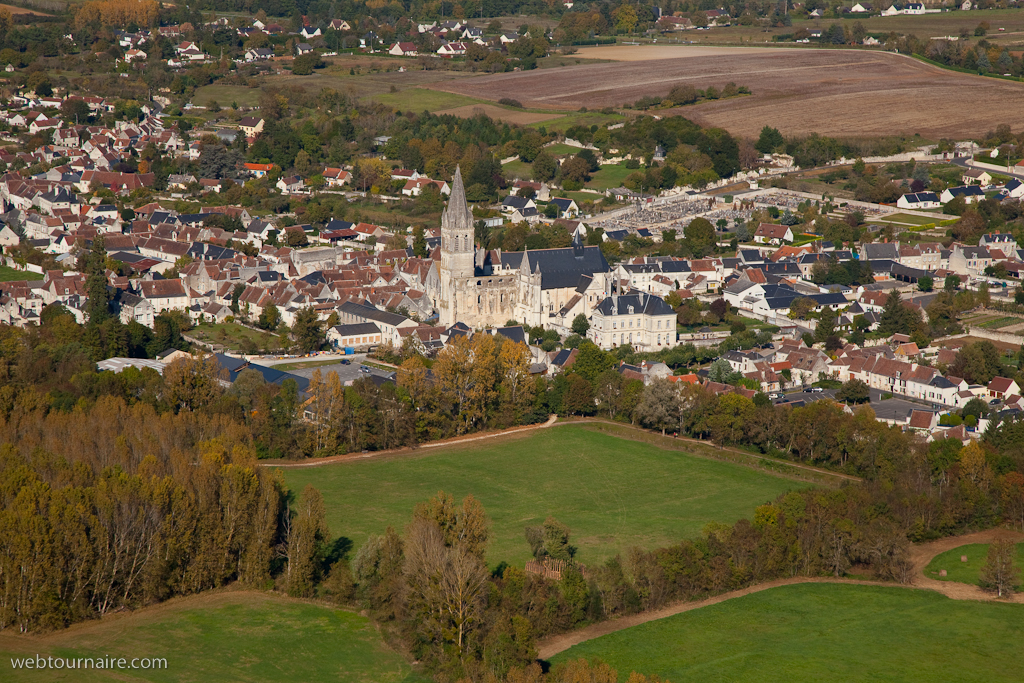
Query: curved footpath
[[920, 556], [454, 441]]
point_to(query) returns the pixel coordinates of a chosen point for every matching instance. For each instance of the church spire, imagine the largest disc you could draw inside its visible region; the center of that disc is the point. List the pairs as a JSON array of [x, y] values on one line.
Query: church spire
[[457, 212]]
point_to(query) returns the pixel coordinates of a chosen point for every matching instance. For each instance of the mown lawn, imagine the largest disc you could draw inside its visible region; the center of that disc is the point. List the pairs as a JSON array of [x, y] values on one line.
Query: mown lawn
[[965, 572], [518, 169], [239, 637], [823, 632], [611, 492], [611, 175], [8, 274]]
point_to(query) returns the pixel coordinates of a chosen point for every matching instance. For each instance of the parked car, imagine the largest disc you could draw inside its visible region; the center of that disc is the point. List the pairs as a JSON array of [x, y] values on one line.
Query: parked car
[[816, 390]]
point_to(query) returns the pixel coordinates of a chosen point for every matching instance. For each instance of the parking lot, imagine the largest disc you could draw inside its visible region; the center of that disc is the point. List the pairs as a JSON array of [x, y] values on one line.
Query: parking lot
[[347, 372], [889, 409]]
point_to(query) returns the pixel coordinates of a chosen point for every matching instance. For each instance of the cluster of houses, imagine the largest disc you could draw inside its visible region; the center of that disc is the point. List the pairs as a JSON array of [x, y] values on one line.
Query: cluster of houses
[[976, 182]]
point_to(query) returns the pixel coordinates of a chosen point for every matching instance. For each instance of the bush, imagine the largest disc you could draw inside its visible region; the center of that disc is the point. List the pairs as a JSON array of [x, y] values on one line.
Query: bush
[[509, 102], [304, 64]]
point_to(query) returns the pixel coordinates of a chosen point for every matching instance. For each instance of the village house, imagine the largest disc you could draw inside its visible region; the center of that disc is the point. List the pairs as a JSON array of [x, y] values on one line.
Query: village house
[[770, 233]]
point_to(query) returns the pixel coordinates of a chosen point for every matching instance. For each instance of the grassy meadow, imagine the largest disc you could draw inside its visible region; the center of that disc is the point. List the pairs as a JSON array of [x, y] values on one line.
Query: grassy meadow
[[822, 632], [965, 572], [612, 493], [8, 274], [231, 636]]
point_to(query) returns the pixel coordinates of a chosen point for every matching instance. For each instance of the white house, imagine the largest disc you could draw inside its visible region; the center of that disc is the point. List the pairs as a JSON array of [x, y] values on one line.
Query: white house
[[291, 185], [641, 320], [403, 50], [336, 177], [452, 49], [970, 193], [919, 200]]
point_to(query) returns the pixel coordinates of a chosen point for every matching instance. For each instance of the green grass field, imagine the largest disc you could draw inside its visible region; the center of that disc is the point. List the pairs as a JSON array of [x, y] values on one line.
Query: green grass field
[[907, 219], [226, 95], [965, 572], [518, 169], [560, 148], [608, 176], [587, 118], [237, 637], [230, 335], [822, 632], [8, 274], [422, 99], [612, 493]]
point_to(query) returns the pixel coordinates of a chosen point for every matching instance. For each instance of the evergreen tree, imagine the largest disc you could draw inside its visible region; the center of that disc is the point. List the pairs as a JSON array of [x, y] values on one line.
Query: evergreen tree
[[894, 317], [419, 242], [984, 65], [826, 326]]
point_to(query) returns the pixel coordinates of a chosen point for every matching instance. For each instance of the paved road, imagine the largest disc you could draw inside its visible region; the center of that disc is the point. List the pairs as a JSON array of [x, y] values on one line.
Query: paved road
[[964, 161]]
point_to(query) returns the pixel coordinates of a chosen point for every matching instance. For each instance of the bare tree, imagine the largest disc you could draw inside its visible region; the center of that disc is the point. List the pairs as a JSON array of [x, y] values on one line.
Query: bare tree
[[999, 574]]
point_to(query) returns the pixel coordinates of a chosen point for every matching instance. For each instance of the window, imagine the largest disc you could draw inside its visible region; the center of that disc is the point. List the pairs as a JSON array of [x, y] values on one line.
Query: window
[[478, 298]]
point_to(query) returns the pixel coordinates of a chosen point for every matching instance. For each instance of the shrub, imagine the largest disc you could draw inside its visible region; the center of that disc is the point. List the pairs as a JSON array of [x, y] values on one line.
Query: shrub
[[509, 102]]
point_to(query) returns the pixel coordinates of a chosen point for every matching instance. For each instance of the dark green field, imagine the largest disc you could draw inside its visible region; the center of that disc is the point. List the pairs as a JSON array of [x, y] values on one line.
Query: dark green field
[[237, 637], [613, 493], [823, 632]]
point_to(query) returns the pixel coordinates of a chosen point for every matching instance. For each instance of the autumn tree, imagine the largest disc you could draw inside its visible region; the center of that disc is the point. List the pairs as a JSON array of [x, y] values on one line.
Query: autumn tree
[[999, 574], [306, 538], [193, 382]]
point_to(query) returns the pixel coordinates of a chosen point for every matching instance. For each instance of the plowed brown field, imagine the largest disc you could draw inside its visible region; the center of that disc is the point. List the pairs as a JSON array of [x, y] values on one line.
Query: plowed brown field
[[832, 92]]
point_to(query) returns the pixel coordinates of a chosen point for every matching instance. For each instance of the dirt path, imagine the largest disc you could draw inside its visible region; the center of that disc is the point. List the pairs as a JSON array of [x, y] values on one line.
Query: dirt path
[[407, 451], [920, 556]]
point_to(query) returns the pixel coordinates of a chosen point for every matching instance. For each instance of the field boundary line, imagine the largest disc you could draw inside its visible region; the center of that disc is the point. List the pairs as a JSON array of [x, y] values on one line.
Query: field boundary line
[[407, 450], [664, 441], [921, 555]]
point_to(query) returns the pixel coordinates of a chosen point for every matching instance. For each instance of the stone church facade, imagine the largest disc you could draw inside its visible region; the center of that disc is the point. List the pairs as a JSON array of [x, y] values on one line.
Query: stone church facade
[[484, 288]]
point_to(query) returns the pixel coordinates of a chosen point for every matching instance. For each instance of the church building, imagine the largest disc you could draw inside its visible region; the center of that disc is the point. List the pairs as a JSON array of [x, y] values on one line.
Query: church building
[[485, 288]]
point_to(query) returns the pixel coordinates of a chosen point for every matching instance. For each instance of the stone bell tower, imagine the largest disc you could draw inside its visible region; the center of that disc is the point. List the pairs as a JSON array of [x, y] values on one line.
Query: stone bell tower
[[457, 250]]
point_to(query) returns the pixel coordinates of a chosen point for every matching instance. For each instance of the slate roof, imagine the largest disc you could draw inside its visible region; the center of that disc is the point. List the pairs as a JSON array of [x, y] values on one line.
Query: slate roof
[[559, 268], [645, 304]]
